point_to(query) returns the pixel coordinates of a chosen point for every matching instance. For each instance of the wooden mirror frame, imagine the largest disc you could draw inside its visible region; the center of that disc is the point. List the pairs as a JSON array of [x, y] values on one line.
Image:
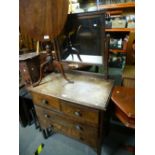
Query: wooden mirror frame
[[105, 39]]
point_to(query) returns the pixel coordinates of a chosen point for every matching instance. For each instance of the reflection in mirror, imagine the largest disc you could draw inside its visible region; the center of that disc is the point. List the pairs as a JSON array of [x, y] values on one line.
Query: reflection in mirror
[[82, 40], [79, 6]]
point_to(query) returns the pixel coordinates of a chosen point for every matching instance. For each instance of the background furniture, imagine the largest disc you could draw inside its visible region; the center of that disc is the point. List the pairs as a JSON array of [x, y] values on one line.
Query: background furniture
[[43, 21], [27, 115], [126, 33], [128, 76], [124, 108], [124, 100], [29, 68]]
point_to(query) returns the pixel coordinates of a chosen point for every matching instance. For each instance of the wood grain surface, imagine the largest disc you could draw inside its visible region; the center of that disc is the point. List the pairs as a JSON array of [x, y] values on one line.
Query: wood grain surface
[[39, 18], [124, 99], [86, 90]]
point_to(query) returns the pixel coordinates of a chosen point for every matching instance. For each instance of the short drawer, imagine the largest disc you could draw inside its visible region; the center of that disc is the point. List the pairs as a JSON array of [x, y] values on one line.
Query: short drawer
[[81, 113], [46, 101]]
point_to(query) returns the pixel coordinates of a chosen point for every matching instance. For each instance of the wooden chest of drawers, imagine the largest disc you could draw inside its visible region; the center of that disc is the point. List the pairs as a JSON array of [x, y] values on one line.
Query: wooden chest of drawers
[[77, 110]]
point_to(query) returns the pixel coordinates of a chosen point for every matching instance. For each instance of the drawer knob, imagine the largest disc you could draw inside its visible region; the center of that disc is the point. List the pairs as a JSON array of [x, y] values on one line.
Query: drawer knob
[[78, 127], [44, 102], [46, 116], [77, 113]]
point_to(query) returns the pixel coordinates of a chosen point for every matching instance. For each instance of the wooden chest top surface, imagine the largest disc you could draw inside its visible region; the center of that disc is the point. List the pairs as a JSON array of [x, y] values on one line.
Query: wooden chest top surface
[[27, 56], [86, 90], [124, 99]]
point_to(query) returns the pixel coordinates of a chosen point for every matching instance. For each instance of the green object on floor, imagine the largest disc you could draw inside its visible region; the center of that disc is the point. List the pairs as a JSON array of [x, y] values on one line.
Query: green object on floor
[[39, 149]]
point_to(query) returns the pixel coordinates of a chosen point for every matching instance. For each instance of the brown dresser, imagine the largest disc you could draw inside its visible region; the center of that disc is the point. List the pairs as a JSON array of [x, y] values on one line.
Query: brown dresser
[[78, 110]]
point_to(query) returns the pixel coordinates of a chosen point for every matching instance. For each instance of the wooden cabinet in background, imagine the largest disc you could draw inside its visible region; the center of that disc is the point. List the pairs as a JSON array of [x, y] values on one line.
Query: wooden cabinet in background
[[29, 68]]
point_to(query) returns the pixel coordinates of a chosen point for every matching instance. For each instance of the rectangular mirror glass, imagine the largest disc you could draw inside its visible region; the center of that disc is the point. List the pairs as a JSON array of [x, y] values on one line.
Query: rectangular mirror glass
[[82, 40]]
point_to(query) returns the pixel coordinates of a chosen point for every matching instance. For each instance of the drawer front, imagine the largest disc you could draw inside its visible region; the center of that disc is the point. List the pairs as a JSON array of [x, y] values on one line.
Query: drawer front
[[81, 113], [90, 140], [58, 123], [46, 101]]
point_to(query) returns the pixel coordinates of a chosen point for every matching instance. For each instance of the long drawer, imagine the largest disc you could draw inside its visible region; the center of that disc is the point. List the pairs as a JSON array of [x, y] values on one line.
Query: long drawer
[[74, 129], [80, 112], [46, 101]]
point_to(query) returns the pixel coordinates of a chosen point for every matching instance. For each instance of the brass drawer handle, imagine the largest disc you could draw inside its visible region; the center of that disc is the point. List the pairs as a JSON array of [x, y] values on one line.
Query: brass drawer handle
[[78, 127], [77, 113], [45, 102], [46, 116]]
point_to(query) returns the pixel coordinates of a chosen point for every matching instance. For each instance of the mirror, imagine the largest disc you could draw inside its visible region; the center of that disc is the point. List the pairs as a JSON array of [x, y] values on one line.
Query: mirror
[[82, 41]]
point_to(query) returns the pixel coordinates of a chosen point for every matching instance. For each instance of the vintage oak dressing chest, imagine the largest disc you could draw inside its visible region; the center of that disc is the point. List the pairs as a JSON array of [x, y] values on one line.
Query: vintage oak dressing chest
[[77, 109]]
